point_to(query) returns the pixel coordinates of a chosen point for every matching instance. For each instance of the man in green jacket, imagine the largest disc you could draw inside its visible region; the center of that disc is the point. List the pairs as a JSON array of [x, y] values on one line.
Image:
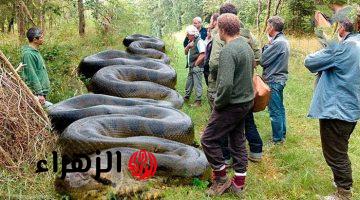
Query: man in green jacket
[[234, 100], [34, 72]]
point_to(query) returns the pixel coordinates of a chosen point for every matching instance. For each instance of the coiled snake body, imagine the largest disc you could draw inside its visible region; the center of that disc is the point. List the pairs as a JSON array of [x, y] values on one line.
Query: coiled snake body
[[135, 107]]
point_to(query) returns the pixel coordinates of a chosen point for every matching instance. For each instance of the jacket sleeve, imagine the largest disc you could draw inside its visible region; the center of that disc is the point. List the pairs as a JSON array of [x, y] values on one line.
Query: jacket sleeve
[[29, 74], [321, 60], [214, 56], [255, 47], [271, 53], [225, 79]]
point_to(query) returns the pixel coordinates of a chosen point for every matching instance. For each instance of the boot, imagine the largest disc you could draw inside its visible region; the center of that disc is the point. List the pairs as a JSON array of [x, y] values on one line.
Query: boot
[[197, 104], [340, 194], [219, 186]]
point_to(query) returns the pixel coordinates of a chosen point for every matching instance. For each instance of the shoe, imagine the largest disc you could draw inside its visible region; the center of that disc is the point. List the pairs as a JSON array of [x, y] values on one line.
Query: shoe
[[237, 190], [196, 104], [255, 159], [340, 194], [219, 186], [186, 99], [281, 142]]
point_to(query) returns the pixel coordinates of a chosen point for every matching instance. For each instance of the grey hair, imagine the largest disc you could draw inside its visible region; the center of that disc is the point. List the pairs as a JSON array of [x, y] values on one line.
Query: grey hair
[[348, 25], [277, 23], [198, 19]]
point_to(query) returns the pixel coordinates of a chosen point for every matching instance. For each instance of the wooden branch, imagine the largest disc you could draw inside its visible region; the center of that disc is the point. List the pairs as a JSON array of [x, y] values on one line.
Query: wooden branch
[[37, 105], [27, 12], [21, 65]]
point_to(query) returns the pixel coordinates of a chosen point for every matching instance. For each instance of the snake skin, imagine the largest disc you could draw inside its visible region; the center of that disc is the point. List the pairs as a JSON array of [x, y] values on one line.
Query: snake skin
[[135, 107]]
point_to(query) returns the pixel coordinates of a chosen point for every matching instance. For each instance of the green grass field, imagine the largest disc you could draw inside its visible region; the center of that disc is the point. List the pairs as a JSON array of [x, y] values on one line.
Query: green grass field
[[296, 170]]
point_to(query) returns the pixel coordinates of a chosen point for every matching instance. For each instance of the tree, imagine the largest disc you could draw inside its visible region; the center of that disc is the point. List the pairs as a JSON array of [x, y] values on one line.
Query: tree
[[277, 7], [300, 13], [258, 15], [268, 8], [81, 17], [20, 19]]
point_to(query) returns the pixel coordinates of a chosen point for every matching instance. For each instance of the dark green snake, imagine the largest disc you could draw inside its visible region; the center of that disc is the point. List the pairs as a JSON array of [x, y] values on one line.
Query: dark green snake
[[135, 107]]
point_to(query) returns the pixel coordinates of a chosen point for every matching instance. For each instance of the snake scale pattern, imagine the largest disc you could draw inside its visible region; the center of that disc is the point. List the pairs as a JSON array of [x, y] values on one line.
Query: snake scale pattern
[[133, 105]]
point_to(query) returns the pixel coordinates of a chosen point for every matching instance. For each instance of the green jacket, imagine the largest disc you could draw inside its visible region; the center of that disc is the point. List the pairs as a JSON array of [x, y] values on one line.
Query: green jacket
[[217, 46], [34, 72]]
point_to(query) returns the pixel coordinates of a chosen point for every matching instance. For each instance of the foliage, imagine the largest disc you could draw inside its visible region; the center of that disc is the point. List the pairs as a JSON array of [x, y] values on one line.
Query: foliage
[[299, 14]]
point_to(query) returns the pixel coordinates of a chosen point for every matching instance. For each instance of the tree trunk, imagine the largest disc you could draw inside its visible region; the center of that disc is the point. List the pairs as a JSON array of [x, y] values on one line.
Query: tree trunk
[[2, 26], [81, 17], [258, 15], [11, 25], [42, 14], [267, 13], [277, 7], [12, 19], [20, 19]]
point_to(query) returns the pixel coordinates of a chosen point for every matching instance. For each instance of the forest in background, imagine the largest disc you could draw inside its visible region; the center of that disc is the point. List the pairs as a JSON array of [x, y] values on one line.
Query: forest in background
[[157, 17]]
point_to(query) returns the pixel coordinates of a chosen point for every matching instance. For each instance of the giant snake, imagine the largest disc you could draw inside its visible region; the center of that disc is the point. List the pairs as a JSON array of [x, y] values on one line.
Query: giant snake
[[134, 106]]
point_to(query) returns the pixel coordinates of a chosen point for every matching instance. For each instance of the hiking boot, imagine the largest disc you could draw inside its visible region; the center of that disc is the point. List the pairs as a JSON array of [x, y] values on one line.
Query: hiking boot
[[197, 104], [340, 194], [237, 190], [219, 186]]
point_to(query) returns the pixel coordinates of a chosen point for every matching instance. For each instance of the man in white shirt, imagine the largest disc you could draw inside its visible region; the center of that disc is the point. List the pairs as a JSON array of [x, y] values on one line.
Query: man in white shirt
[[195, 52]]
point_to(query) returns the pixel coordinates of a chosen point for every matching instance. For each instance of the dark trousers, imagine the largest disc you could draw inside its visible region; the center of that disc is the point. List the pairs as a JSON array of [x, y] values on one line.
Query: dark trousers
[[252, 136], [335, 135], [206, 76], [229, 123]]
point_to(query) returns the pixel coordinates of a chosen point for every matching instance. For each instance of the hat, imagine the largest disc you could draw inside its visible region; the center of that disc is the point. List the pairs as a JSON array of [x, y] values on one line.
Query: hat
[[192, 30]]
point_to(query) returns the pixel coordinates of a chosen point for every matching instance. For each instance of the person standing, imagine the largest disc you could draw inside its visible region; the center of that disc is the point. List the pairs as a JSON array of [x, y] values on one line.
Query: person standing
[[197, 22], [234, 100], [208, 42], [251, 132], [195, 52], [336, 103], [275, 61], [34, 72]]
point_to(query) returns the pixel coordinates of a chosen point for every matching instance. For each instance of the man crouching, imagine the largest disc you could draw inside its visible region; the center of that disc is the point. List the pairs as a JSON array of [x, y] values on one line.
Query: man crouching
[[234, 100]]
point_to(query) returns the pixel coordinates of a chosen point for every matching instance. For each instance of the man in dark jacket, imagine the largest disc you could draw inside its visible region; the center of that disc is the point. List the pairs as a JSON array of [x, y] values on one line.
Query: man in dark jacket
[[197, 22], [275, 61]]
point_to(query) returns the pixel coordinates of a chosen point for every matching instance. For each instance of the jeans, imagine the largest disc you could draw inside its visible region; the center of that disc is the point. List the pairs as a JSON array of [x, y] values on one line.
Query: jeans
[[194, 79], [227, 123], [335, 135], [277, 112], [252, 136]]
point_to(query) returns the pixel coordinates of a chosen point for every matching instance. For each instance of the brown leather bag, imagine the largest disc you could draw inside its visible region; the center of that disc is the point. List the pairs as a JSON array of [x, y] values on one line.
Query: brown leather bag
[[262, 94]]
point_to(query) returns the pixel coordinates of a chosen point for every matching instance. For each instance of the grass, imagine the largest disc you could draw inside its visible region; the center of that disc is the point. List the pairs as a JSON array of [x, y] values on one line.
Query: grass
[[296, 170]]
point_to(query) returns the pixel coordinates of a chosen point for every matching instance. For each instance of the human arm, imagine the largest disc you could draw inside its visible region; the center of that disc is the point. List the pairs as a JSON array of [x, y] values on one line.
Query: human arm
[[271, 53], [214, 56], [321, 60], [200, 60]]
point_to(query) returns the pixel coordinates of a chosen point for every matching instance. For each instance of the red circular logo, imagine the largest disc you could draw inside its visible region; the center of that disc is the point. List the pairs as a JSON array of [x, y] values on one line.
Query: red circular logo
[[142, 165]]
